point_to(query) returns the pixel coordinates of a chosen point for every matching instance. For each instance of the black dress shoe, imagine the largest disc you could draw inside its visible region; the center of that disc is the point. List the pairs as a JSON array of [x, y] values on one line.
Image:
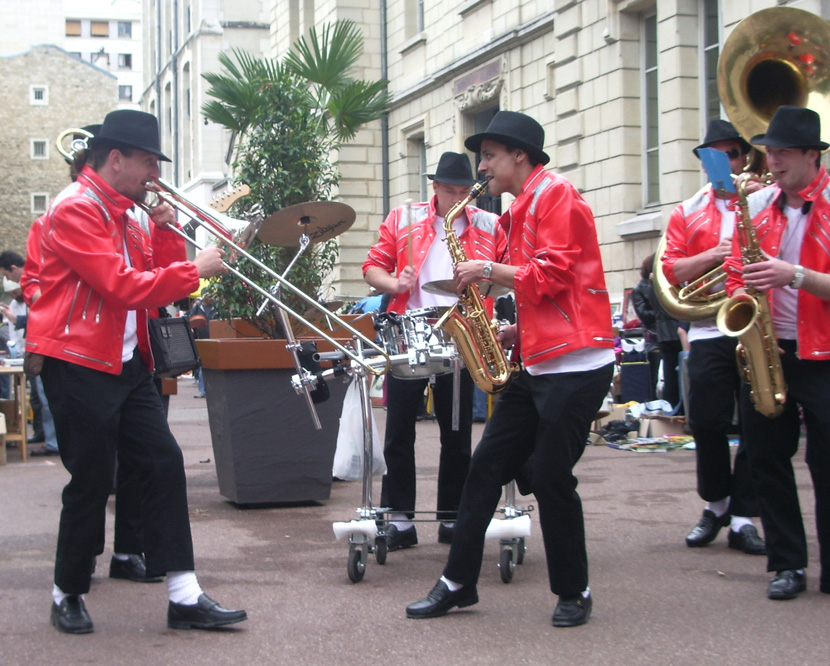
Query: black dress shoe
[[70, 616], [572, 611], [133, 568], [35, 439], [747, 541], [445, 534], [787, 585], [204, 614], [707, 529], [399, 539], [440, 600], [44, 452]]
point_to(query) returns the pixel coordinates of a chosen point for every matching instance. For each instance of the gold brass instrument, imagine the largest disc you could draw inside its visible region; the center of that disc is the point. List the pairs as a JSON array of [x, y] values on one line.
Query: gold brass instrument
[[473, 332], [748, 318], [76, 145], [775, 56], [221, 226]]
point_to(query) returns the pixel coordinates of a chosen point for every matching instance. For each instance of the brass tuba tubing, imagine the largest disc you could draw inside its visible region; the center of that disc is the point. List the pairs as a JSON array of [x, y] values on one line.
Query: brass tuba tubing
[[212, 225]]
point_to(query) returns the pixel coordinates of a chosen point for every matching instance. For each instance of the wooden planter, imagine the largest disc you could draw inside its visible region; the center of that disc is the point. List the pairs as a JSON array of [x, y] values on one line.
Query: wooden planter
[[264, 442]]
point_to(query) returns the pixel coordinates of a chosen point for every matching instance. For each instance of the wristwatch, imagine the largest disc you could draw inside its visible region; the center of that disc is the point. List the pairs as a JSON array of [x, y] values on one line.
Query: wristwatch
[[798, 278], [488, 270]]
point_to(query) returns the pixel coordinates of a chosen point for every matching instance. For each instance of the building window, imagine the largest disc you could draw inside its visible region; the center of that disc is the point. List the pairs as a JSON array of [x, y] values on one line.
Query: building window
[[40, 203], [125, 93], [125, 61], [99, 28], [73, 28], [413, 17], [711, 51], [39, 95], [651, 111], [125, 30], [40, 149]]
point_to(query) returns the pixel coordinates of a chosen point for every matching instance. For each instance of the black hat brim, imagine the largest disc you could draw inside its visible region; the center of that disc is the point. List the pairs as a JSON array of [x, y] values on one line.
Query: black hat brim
[[473, 143], [763, 140], [452, 181], [123, 144]]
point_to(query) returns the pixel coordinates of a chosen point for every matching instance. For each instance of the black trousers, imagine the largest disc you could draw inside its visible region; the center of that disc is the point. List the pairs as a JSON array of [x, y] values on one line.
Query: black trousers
[[714, 386], [403, 398], [98, 416], [547, 417], [771, 445], [670, 350]]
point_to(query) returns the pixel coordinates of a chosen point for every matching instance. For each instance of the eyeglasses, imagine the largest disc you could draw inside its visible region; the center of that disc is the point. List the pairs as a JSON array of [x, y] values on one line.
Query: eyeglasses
[[732, 153]]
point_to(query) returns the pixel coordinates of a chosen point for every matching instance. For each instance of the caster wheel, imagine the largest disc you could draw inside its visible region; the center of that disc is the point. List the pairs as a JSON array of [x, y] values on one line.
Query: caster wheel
[[381, 549], [356, 566], [520, 551], [506, 565]]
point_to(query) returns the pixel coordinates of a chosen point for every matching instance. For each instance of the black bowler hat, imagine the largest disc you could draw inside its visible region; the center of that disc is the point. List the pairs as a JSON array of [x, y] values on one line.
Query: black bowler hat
[[133, 129], [722, 130], [513, 129], [453, 169], [792, 127]]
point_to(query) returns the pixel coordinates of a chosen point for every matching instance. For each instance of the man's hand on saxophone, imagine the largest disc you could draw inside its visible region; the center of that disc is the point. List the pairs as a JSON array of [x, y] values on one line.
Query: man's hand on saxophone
[[768, 274], [466, 273]]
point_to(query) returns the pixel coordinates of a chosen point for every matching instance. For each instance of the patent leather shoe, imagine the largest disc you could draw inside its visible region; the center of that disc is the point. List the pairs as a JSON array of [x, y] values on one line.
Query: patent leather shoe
[[707, 529], [573, 611], [204, 614], [399, 539], [445, 534], [787, 585], [440, 600], [70, 616], [747, 541], [133, 568]]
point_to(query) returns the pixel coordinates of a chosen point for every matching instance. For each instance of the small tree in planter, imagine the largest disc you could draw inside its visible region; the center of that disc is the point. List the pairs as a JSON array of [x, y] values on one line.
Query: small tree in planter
[[287, 119]]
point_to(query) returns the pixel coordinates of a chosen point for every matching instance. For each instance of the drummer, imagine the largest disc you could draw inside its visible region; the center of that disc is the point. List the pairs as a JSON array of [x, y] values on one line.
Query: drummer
[[410, 254]]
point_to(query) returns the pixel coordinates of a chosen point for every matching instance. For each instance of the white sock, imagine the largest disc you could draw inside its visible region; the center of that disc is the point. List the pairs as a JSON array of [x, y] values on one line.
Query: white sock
[[453, 587], [400, 520], [449, 525], [586, 592], [718, 508], [59, 595], [183, 587], [121, 556], [738, 522]]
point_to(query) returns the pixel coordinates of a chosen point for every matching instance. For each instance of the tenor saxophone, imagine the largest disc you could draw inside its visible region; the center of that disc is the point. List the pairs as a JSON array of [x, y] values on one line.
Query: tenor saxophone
[[467, 322], [748, 318]]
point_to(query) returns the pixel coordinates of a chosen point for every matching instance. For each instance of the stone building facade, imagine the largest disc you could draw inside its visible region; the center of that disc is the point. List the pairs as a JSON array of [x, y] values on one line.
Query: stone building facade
[[623, 88], [45, 91]]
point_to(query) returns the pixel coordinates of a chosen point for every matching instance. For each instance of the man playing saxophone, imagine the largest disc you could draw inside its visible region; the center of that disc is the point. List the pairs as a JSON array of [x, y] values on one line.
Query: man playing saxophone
[[410, 253], [564, 339], [791, 222], [698, 239]]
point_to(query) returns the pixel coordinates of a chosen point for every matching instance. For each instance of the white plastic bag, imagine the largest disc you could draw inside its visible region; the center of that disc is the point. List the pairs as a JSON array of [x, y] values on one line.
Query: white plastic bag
[[348, 457]]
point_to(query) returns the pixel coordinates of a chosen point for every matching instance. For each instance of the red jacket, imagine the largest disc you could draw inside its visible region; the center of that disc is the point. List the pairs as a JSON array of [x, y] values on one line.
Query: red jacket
[[694, 227], [562, 302], [86, 285], [29, 281], [482, 239], [770, 221]]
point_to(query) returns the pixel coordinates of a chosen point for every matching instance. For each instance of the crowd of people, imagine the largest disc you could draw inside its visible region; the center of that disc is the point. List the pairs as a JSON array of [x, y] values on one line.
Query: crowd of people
[[89, 254]]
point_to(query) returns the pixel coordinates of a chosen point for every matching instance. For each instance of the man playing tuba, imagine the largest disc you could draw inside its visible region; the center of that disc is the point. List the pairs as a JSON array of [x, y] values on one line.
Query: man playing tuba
[[791, 222], [698, 239]]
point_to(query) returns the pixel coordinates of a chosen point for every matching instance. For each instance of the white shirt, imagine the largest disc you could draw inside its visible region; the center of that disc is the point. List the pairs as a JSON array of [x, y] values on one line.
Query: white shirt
[[437, 266], [785, 313]]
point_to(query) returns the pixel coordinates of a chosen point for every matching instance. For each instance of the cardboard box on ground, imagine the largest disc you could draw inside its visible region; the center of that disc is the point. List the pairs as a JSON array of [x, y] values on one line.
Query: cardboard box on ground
[[658, 425]]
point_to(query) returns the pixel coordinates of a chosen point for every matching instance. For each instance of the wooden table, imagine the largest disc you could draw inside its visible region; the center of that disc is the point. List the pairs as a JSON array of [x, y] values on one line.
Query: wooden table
[[21, 405]]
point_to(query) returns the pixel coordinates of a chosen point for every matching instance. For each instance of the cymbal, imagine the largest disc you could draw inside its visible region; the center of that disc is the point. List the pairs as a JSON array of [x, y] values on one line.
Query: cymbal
[[319, 220], [447, 288]]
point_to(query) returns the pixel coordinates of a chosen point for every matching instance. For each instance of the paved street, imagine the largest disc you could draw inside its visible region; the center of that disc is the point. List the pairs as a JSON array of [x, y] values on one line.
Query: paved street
[[655, 600]]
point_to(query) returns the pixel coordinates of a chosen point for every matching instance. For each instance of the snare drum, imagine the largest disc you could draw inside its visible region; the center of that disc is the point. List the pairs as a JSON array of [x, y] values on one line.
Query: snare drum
[[416, 348]]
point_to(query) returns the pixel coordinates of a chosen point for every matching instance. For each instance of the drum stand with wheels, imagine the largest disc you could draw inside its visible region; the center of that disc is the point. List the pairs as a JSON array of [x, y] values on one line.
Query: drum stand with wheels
[[511, 531]]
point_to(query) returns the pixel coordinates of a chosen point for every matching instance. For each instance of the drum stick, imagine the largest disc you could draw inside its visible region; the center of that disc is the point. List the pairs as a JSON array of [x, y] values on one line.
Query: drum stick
[[409, 230]]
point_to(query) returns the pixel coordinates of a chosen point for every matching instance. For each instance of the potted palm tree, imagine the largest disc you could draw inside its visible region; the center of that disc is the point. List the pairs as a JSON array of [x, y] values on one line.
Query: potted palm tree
[[286, 118]]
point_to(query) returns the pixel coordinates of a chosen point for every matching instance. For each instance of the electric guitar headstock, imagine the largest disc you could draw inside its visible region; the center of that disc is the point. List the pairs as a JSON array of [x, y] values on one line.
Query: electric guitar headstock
[[227, 199]]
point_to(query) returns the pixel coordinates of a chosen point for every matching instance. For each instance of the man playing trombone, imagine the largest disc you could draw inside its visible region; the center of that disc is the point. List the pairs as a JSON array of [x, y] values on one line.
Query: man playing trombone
[[98, 275], [698, 239]]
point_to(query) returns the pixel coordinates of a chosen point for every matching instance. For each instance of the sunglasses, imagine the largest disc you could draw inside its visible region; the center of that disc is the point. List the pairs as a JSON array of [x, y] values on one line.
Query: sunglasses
[[732, 153]]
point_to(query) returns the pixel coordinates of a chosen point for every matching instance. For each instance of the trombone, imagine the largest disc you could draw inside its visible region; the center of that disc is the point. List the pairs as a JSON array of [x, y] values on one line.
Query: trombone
[[217, 226]]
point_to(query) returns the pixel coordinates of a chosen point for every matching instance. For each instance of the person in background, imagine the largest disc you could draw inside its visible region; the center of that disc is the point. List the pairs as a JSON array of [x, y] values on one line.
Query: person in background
[[642, 297]]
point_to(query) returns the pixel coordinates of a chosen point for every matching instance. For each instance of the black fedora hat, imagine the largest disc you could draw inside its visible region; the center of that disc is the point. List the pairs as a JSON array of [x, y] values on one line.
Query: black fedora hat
[[722, 130], [792, 127], [133, 129], [513, 129], [453, 169]]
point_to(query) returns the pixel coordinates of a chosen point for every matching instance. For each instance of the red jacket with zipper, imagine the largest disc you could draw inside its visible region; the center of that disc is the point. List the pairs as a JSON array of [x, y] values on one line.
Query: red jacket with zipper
[[86, 285]]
